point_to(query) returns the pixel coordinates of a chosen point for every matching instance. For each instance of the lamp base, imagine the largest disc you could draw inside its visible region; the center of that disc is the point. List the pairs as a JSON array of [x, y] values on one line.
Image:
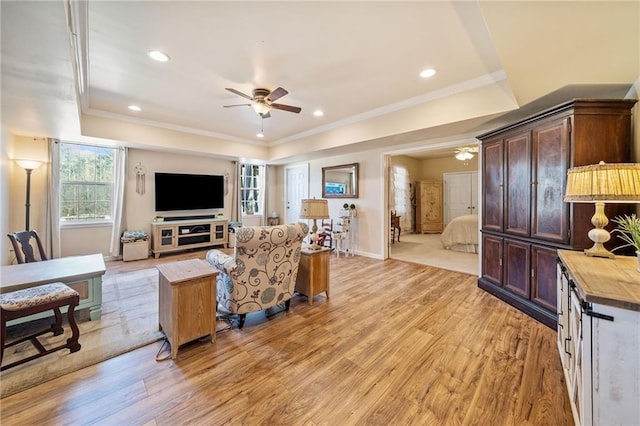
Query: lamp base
[[598, 250], [599, 235]]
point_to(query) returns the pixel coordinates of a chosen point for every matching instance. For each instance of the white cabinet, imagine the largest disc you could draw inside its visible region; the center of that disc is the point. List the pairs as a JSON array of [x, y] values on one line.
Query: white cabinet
[[460, 194], [599, 337], [170, 236]]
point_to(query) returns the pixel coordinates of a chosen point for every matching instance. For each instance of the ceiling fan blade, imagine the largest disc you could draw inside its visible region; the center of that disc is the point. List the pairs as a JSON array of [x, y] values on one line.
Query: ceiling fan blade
[[277, 94], [286, 108], [229, 106], [239, 93]]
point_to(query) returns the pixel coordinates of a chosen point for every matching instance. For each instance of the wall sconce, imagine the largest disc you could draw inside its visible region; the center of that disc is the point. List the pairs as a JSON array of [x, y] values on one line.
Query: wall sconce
[[29, 166], [314, 209], [600, 183]]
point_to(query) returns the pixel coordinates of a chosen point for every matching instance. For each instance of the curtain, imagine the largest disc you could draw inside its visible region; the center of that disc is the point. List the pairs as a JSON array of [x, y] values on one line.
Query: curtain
[[400, 195], [262, 197], [52, 204], [235, 195], [119, 180]]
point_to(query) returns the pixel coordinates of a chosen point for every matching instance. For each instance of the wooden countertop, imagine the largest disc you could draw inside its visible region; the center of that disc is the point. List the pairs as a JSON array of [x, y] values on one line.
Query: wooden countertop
[[309, 251], [186, 270], [612, 282], [64, 269]]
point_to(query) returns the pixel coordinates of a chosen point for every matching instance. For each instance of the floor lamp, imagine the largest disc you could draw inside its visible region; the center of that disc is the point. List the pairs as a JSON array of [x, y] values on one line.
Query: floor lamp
[[29, 166]]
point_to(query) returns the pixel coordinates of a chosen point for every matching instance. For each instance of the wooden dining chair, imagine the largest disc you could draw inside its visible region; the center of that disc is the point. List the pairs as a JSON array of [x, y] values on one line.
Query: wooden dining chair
[[21, 242], [395, 224]]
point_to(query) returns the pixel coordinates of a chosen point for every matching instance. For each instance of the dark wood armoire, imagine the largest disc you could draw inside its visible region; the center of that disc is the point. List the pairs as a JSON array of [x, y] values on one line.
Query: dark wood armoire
[[524, 219]]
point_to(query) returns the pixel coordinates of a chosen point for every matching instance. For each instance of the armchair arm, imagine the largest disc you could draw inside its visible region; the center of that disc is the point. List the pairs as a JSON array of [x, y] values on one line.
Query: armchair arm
[[221, 261]]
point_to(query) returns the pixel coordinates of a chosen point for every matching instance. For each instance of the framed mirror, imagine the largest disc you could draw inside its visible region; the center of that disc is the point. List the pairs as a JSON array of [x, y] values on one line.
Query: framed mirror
[[340, 181]]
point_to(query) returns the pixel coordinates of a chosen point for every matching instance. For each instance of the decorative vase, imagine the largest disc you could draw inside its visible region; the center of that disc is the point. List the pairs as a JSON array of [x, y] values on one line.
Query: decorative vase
[[638, 254]]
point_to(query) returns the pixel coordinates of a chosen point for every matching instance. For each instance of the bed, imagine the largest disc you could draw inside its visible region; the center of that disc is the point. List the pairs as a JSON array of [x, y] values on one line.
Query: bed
[[461, 234]]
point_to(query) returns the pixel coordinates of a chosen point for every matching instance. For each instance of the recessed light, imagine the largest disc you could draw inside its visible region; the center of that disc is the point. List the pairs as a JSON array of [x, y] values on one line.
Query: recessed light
[[260, 135], [134, 108], [158, 56], [429, 72], [318, 113]]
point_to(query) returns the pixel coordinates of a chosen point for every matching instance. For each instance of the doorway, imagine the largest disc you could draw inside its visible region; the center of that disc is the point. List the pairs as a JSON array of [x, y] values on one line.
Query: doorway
[[417, 247], [297, 188]]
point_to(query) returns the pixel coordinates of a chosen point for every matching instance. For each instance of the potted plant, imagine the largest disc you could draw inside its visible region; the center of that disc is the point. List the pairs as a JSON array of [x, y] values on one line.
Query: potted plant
[[628, 230]]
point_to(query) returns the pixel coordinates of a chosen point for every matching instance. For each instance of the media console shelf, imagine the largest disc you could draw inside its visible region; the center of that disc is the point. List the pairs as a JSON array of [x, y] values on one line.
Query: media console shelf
[[175, 235]]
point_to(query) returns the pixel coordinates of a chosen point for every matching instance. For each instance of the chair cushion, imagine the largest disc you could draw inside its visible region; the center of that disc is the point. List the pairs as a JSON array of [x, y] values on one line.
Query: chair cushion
[[34, 296], [132, 236]]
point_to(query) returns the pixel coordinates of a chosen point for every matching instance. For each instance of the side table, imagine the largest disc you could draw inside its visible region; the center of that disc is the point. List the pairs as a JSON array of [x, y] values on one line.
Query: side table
[[313, 272], [187, 301]]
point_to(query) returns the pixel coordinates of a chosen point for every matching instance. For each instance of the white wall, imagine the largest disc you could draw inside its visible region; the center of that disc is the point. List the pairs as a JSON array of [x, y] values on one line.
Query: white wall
[[434, 168], [368, 224], [140, 208], [4, 195]]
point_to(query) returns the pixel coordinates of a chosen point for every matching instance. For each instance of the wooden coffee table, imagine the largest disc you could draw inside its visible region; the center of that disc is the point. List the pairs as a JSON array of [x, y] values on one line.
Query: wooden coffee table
[[187, 301]]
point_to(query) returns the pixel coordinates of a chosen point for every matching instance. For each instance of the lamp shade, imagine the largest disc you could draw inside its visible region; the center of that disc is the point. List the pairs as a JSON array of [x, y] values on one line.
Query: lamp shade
[[314, 209], [611, 183], [29, 164]]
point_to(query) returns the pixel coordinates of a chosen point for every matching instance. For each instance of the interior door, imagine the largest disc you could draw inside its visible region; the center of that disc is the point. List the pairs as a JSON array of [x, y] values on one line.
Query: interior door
[[296, 189], [461, 194]]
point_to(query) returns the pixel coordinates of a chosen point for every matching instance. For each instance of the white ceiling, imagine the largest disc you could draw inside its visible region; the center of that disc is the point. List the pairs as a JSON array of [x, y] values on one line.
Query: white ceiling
[[358, 61]]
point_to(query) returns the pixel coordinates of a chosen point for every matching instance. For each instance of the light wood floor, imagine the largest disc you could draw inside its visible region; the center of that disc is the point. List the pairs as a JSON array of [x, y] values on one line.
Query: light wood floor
[[397, 344]]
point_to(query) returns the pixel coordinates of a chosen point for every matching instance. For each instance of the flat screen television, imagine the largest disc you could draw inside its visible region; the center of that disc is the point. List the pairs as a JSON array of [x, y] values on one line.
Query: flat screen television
[[178, 191]]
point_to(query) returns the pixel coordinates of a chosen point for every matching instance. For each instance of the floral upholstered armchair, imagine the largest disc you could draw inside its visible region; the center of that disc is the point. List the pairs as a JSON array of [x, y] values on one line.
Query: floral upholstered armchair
[[262, 272]]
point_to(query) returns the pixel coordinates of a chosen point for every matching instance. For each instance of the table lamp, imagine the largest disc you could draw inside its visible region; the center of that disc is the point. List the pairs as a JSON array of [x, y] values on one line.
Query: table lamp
[[314, 209], [600, 183]]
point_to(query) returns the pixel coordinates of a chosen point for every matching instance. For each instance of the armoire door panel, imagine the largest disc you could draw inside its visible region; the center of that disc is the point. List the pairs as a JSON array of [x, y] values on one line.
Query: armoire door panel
[[493, 186], [544, 283], [492, 259], [550, 219], [518, 184], [517, 270]]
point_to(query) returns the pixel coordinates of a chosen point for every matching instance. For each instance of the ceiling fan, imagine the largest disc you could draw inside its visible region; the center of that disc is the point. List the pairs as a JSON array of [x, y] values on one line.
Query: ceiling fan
[[466, 152], [262, 101]]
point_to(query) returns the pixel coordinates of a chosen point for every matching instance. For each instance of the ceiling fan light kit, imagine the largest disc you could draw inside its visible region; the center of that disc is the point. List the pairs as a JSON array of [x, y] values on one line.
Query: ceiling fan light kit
[[465, 153], [262, 101], [260, 108]]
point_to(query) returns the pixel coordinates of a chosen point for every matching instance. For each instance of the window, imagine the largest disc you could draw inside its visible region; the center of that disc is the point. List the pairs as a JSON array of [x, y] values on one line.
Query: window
[[402, 194], [86, 183], [251, 188]]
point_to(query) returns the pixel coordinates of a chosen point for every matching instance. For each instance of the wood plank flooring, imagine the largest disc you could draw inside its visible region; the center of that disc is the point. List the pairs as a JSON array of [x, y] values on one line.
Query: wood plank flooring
[[396, 344]]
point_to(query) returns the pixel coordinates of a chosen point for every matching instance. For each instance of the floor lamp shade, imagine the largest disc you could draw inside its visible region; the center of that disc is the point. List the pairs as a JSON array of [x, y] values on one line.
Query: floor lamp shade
[[314, 209], [599, 184], [28, 166]]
